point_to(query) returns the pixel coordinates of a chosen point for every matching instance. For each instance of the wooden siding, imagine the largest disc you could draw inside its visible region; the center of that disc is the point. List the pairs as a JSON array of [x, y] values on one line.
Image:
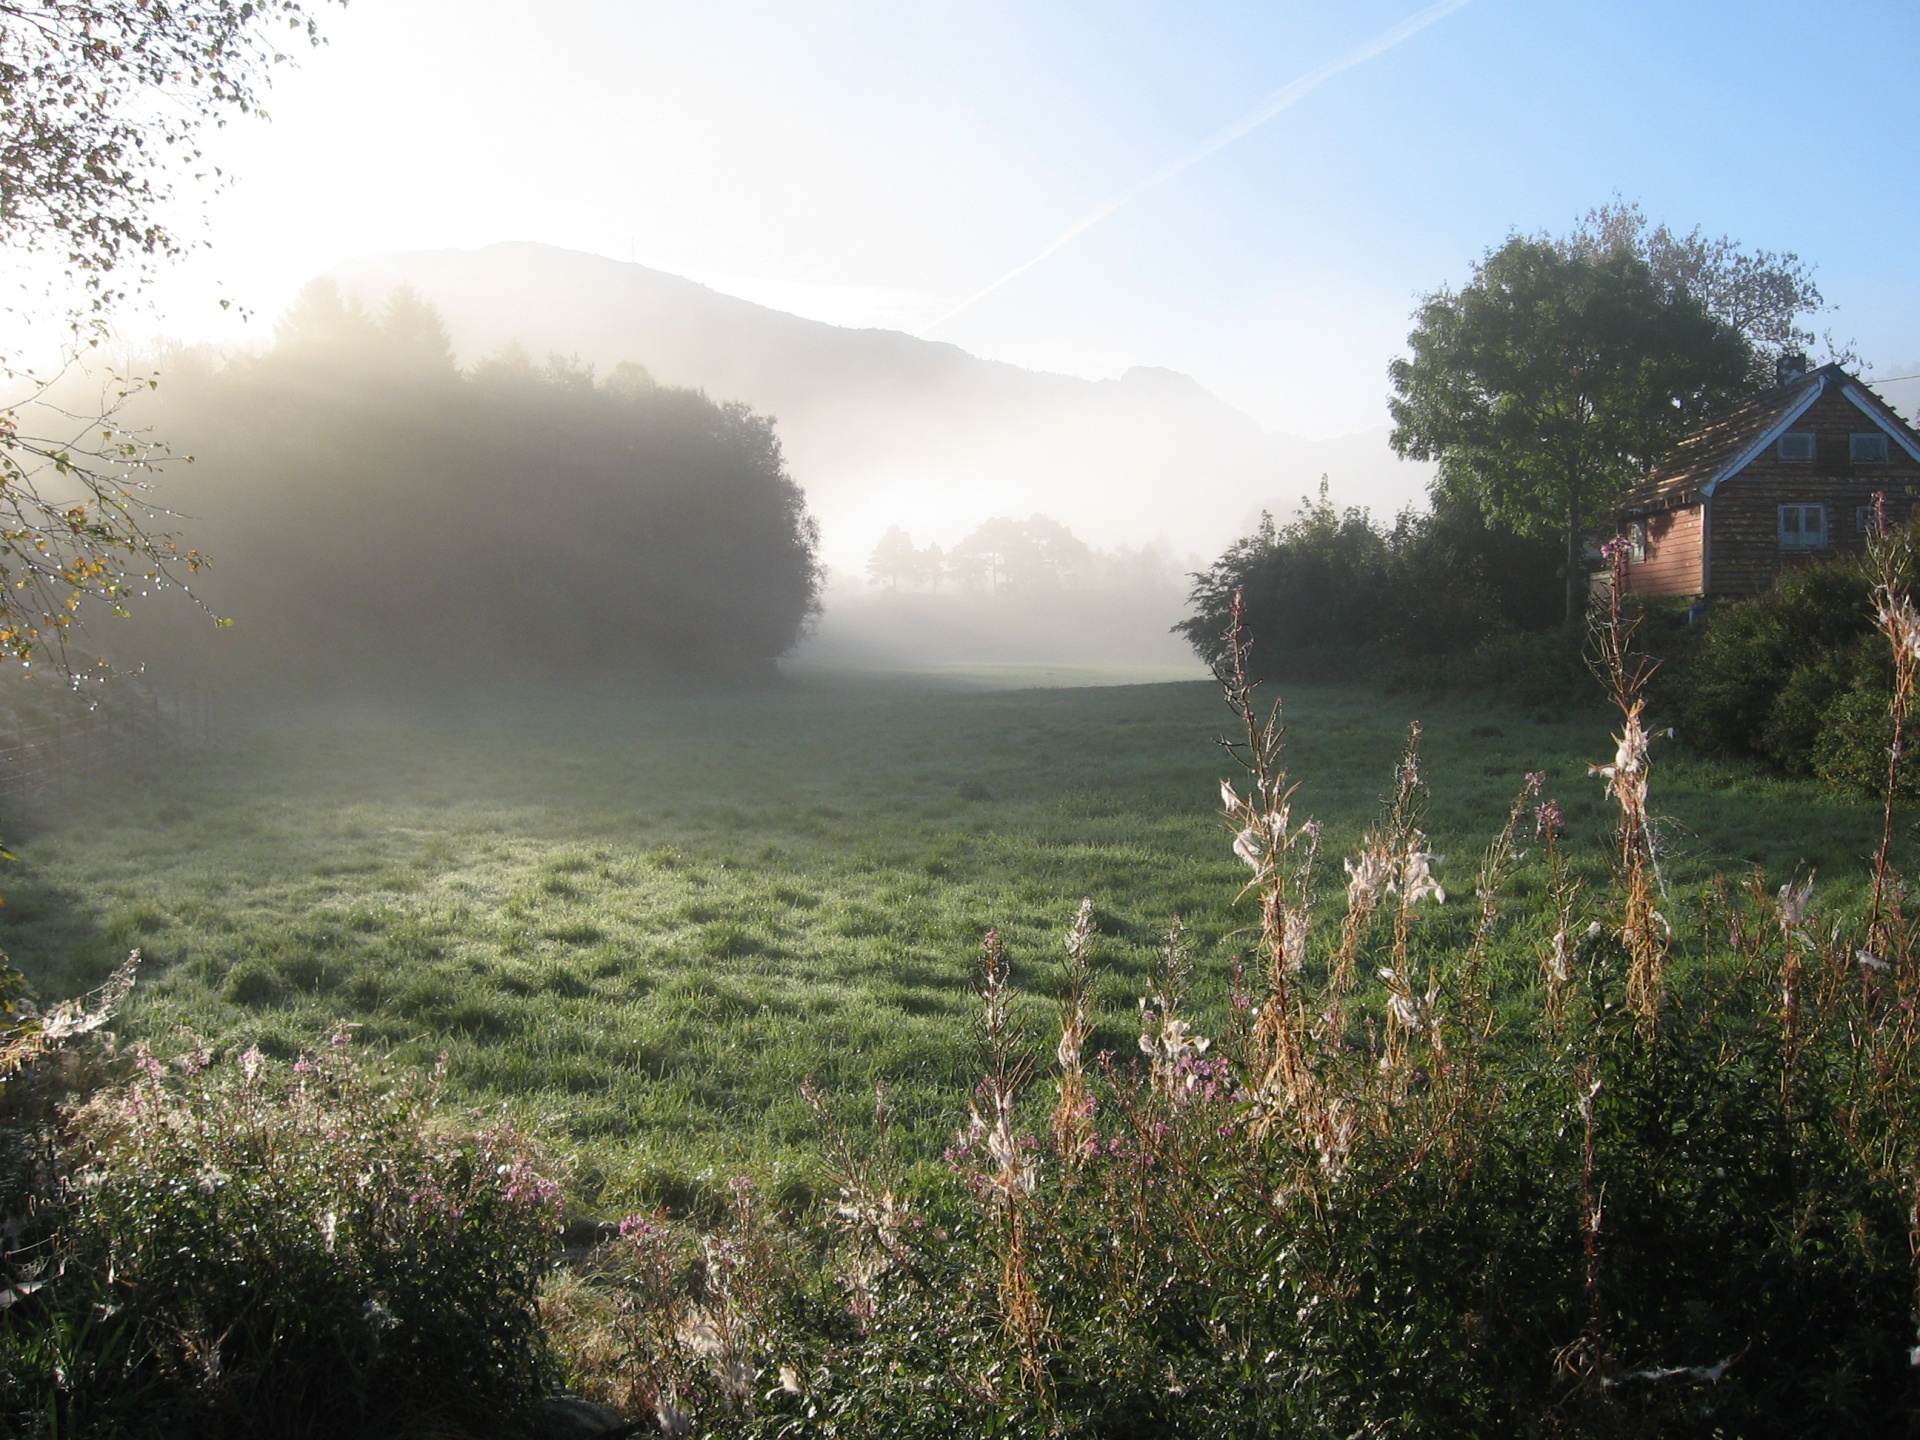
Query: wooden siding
[[1745, 523], [1742, 519], [1832, 419], [1672, 566]]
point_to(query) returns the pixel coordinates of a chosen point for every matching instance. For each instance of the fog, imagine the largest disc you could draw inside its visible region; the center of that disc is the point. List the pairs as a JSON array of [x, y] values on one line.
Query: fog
[[379, 516], [449, 464], [882, 428]]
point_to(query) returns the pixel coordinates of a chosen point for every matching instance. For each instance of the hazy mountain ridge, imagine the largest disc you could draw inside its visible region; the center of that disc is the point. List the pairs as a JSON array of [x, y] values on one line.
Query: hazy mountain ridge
[[882, 427]]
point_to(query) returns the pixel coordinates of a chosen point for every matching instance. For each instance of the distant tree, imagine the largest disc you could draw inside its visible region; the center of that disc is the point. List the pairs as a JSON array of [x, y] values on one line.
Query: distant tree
[[969, 569], [1128, 567], [894, 559], [933, 568], [325, 326], [568, 372], [992, 553], [1553, 380], [1055, 556], [1037, 553], [1028, 556], [630, 377], [508, 367], [417, 347]]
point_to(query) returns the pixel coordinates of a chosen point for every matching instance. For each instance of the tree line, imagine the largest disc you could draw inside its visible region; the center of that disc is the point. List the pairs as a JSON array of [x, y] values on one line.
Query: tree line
[[1031, 556], [374, 509]]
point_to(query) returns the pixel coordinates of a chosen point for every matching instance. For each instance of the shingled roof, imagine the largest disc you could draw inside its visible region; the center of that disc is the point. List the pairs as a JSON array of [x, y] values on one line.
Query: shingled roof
[[1730, 441]]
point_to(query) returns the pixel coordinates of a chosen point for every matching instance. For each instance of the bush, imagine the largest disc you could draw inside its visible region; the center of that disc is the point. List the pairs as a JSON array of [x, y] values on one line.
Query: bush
[[1333, 595], [1797, 677], [238, 1248], [1314, 594]]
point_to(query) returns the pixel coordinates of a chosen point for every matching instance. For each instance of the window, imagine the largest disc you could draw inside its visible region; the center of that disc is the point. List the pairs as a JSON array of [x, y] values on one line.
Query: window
[[1867, 449], [1803, 527], [1637, 542], [1797, 445]]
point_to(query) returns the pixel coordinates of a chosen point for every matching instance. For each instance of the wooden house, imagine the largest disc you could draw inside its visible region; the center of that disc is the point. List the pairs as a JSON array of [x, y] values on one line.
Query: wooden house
[[1786, 477]]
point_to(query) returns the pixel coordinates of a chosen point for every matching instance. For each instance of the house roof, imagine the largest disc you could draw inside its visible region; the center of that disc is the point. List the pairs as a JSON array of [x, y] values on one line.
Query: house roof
[[1733, 439]]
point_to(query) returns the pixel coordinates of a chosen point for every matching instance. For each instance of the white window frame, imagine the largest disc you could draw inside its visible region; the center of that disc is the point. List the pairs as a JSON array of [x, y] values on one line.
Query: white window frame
[[1795, 537], [1812, 445], [1637, 542], [1853, 447]]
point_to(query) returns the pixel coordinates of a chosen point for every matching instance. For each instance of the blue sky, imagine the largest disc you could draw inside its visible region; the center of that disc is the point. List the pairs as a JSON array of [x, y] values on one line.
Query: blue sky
[[876, 163]]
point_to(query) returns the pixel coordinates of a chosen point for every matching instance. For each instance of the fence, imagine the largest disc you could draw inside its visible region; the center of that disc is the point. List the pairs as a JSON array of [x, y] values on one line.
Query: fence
[[48, 755]]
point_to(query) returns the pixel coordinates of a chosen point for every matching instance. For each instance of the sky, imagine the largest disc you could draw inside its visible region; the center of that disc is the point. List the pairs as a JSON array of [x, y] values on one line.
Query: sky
[[869, 162]]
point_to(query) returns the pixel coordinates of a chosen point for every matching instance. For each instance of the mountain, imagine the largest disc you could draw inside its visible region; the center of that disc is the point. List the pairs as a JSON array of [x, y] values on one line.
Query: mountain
[[883, 428]]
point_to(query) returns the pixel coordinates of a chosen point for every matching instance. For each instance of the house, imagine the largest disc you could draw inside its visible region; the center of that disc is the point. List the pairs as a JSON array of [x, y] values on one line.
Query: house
[[1783, 478]]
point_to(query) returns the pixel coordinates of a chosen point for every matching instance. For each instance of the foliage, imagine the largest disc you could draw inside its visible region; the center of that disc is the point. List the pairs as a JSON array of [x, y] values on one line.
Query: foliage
[[1553, 380], [659, 1321], [99, 101], [242, 1248], [1759, 293], [387, 515], [1796, 676], [77, 513], [1037, 555], [1333, 593]]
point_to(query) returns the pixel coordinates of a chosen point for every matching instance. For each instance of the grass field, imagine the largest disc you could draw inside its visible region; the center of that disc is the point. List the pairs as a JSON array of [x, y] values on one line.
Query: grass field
[[640, 919]]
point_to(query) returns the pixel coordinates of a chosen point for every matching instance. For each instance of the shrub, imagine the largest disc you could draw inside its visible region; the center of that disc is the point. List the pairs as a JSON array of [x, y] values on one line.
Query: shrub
[[241, 1248], [1797, 677], [1332, 594], [1768, 666], [1315, 586]]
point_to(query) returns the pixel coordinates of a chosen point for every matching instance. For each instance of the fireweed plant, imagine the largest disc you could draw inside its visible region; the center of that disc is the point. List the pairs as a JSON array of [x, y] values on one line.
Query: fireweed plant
[[229, 1246], [1665, 1182]]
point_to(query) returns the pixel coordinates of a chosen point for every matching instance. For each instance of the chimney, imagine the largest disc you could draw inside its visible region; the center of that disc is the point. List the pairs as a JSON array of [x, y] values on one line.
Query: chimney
[[1789, 367]]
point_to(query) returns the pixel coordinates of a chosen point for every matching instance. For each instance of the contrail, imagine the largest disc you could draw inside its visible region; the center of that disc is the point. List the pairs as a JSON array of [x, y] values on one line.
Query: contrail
[[1282, 99]]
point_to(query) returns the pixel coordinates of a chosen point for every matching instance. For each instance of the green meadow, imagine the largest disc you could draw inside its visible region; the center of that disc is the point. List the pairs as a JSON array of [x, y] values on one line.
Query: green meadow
[[639, 919]]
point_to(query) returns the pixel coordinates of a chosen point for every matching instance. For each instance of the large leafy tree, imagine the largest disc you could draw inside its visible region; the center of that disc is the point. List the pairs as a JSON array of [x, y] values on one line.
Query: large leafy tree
[[1554, 379], [103, 104], [1766, 295]]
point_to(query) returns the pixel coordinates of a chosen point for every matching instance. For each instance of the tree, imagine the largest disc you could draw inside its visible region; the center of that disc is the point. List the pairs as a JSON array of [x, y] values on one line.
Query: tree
[[1556, 378], [102, 103], [1760, 293], [894, 559], [1037, 553], [384, 516]]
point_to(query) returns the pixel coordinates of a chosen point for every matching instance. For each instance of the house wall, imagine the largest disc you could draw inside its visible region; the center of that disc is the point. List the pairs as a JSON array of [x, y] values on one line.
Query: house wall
[[1672, 566], [1746, 525], [1745, 520]]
